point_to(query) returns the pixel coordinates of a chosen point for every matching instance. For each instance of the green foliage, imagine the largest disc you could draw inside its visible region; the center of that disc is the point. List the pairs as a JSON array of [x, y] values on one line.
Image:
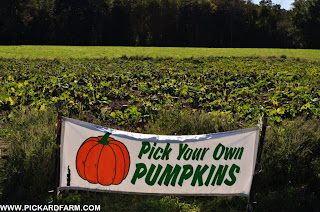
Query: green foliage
[[290, 167], [129, 92], [306, 23], [184, 122], [30, 165], [123, 202], [202, 23]]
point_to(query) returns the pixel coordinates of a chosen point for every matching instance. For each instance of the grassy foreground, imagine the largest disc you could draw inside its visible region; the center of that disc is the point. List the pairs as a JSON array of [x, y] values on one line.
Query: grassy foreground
[[289, 180], [164, 96], [64, 52]]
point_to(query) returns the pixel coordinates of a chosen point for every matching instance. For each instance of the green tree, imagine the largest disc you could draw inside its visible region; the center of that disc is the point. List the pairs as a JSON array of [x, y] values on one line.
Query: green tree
[[269, 17], [306, 23], [10, 24], [196, 22]]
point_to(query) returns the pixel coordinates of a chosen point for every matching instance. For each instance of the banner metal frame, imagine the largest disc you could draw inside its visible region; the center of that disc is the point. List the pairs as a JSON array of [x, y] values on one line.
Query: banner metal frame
[[57, 158], [257, 171], [262, 125]]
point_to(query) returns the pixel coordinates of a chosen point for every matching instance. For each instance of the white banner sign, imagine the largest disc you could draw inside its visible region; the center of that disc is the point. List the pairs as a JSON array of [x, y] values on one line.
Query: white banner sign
[[103, 159]]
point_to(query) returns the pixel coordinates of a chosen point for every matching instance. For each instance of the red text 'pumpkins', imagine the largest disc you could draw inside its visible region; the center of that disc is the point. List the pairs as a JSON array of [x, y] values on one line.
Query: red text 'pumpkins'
[[103, 160]]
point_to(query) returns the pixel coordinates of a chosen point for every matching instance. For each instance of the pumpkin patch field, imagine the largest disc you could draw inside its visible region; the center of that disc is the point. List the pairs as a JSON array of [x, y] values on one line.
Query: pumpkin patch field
[[165, 96], [127, 90]]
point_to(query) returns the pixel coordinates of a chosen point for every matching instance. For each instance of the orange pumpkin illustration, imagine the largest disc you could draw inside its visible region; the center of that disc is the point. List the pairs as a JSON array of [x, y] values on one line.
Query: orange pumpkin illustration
[[103, 160]]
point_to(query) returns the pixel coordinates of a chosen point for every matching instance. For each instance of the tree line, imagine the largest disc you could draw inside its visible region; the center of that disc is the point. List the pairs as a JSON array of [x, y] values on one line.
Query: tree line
[[201, 23]]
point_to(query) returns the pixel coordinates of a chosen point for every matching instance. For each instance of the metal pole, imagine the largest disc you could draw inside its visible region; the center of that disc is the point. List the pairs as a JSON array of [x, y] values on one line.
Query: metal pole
[[257, 168], [57, 161]]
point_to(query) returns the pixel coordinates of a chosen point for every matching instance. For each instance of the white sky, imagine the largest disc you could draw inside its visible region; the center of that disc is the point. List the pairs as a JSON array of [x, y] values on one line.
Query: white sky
[[285, 4]]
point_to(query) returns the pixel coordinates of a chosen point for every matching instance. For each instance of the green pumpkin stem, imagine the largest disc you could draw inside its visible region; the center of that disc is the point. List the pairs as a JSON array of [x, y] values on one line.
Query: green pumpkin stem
[[104, 139]]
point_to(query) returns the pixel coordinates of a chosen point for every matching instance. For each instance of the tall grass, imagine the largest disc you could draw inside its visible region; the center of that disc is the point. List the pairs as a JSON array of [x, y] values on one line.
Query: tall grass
[[289, 179], [184, 122], [29, 169], [290, 175]]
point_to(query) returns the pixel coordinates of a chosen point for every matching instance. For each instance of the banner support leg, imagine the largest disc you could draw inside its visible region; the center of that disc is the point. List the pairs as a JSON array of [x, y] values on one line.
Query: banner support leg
[[257, 167], [57, 157]]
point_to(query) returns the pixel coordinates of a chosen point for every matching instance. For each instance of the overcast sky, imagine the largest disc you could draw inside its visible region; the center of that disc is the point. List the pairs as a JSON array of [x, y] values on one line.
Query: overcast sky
[[285, 4]]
